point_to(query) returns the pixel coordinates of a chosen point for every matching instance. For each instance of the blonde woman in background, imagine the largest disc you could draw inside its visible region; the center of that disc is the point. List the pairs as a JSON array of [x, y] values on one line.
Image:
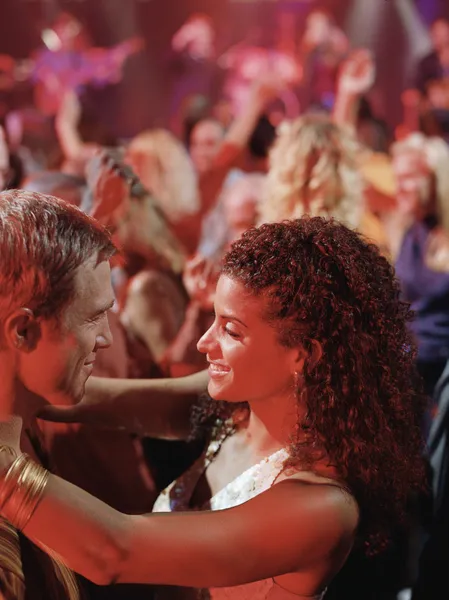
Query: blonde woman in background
[[315, 170], [418, 235], [420, 168], [164, 167]]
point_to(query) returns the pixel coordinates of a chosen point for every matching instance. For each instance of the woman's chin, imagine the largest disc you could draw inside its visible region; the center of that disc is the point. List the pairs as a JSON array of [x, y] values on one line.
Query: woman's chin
[[215, 391], [223, 394]]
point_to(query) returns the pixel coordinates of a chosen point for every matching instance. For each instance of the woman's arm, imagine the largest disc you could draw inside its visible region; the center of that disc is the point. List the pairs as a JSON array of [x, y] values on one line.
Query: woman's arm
[[67, 121], [291, 527], [236, 139], [264, 90], [356, 78], [152, 407]]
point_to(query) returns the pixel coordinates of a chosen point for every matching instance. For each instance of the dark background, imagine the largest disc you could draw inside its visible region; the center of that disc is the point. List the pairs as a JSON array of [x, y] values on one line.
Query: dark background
[[394, 29]]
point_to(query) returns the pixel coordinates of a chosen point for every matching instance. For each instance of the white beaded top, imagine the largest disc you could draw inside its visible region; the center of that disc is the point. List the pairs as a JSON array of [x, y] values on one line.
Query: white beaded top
[[255, 480]]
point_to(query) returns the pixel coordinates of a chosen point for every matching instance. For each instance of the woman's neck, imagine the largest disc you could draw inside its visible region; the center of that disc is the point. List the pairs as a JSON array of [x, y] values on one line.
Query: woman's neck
[[271, 425]]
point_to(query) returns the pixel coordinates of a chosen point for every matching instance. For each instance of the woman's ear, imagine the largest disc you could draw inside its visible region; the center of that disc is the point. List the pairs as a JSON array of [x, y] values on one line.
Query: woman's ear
[[315, 353], [298, 361], [311, 353]]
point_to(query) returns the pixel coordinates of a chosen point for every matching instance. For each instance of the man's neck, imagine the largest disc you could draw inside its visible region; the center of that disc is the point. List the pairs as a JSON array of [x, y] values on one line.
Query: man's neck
[[10, 432], [18, 430], [15, 435], [26, 404]]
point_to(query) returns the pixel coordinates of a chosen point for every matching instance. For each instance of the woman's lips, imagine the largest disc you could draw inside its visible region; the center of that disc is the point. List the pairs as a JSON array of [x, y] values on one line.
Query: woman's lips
[[217, 370]]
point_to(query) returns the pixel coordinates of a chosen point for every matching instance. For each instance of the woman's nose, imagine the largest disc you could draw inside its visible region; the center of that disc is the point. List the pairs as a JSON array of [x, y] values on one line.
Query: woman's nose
[[206, 342]]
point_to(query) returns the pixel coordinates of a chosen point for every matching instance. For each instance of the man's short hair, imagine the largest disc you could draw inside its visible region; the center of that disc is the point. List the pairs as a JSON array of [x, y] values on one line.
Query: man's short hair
[[43, 240]]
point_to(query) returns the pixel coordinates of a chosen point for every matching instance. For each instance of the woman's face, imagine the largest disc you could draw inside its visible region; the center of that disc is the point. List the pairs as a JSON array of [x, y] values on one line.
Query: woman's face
[[318, 28], [240, 209], [413, 179], [203, 39], [205, 143], [246, 361]]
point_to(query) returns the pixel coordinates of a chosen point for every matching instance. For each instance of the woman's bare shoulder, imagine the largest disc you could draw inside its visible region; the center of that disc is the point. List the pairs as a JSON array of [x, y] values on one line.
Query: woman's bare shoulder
[[330, 497]]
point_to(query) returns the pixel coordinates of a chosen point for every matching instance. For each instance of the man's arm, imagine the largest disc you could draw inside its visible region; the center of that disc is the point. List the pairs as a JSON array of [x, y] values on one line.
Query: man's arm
[[147, 407]]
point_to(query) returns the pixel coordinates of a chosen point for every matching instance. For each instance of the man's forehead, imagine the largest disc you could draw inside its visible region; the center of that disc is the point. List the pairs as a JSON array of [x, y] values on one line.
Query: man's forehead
[[93, 280]]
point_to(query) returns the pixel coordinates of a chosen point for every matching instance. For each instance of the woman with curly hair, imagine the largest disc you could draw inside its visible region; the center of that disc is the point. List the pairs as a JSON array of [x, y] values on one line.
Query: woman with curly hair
[[317, 443]]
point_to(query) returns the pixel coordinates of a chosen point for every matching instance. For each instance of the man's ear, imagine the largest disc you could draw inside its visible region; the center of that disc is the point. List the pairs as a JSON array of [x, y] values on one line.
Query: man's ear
[[22, 330]]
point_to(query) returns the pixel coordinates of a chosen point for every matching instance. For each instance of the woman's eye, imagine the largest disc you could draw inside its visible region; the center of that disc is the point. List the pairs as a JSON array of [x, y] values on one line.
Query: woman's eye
[[231, 333]]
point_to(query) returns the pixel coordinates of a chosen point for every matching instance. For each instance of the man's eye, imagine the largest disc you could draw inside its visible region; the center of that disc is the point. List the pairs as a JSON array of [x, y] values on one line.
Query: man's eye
[[98, 318]]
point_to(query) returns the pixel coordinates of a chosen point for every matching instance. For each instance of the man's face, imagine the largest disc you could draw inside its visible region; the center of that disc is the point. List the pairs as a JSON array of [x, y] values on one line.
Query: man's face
[[440, 34], [205, 143], [62, 359]]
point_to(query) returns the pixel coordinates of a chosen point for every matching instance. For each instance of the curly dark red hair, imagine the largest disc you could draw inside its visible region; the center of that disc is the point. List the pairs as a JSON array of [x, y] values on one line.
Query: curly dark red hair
[[364, 399]]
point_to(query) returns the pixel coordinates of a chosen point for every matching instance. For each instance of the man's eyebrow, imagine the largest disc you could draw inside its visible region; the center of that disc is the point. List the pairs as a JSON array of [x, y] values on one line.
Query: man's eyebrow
[[100, 311]]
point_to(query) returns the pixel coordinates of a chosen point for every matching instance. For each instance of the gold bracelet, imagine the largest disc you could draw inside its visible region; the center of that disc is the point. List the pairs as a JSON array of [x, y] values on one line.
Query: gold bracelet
[[22, 491], [34, 480], [10, 479]]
